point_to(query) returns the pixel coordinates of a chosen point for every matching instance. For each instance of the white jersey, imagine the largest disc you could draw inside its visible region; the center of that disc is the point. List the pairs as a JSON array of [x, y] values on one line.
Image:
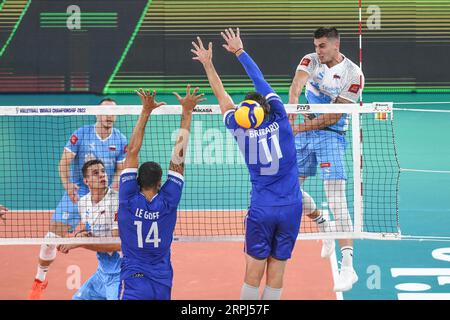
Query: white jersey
[[325, 84], [100, 218]]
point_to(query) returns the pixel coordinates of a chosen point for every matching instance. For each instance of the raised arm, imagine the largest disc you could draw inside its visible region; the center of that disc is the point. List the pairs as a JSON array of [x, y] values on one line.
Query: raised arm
[[295, 90], [188, 104], [64, 173], [234, 45], [148, 105], [205, 57]]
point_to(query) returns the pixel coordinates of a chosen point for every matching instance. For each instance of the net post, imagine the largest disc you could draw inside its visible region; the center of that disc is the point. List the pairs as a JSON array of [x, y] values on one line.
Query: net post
[[357, 170]]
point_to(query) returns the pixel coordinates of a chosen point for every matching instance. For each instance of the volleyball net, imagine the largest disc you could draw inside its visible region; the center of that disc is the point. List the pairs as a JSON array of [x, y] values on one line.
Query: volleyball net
[[217, 187]]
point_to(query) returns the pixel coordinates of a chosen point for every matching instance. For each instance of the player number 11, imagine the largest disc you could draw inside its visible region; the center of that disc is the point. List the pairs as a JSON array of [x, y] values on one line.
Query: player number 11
[[276, 145], [148, 239]]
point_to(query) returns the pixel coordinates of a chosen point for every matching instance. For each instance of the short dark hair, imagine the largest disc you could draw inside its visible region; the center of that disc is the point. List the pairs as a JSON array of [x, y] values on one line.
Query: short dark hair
[[90, 163], [149, 175], [328, 32], [258, 97], [107, 99]]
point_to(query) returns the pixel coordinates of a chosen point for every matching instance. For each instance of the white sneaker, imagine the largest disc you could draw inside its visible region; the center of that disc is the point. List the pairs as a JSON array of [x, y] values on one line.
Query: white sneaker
[[328, 245], [346, 279]]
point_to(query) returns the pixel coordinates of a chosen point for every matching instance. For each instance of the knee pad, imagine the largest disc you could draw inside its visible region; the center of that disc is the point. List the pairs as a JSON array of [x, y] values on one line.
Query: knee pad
[[337, 201], [308, 204], [48, 251]]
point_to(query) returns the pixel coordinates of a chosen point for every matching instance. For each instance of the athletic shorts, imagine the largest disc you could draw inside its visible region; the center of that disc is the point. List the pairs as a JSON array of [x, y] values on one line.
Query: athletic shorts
[[272, 230], [323, 149], [140, 287], [100, 286]]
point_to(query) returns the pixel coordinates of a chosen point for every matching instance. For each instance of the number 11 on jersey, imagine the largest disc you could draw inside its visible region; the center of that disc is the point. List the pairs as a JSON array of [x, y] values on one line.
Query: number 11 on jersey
[[276, 145]]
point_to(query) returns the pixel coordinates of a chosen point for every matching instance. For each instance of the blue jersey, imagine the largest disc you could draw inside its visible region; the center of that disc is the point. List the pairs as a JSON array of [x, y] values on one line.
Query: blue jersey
[[146, 227], [270, 156], [87, 145]]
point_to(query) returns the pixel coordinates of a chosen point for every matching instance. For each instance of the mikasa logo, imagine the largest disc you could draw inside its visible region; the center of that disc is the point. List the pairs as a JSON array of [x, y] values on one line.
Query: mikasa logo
[[203, 110]]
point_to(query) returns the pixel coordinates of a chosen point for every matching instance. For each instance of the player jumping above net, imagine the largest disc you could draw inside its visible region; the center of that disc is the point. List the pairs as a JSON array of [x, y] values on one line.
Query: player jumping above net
[[98, 141], [272, 222], [330, 77], [98, 211], [147, 211]]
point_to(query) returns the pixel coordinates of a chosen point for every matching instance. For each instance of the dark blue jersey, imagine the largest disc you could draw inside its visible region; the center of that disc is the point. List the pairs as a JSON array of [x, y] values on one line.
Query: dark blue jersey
[[146, 227], [270, 156]]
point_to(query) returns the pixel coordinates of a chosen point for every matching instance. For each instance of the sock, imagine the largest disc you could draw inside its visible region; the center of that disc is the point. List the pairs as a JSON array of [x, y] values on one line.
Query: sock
[[271, 293], [41, 273], [347, 256], [249, 292]]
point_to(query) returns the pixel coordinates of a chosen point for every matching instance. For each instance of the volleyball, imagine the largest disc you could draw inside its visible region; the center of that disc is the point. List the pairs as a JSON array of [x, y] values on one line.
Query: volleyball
[[249, 114]]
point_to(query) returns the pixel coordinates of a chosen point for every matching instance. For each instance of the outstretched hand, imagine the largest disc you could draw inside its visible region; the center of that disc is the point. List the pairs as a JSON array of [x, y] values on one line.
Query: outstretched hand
[[191, 99], [233, 41], [148, 100], [201, 54]]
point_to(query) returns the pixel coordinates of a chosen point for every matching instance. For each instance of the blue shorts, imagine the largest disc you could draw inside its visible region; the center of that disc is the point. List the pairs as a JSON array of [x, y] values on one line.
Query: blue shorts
[[67, 212], [325, 149], [272, 231], [100, 286], [141, 287]]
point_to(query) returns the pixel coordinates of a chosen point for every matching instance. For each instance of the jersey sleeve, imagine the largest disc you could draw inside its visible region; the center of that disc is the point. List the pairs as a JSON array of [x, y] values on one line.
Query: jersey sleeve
[[123, 148], [351, 90], [307, 64], [172, 189], [255, 74], [276, 105], [75, 141], [229, 120], [128, 186]]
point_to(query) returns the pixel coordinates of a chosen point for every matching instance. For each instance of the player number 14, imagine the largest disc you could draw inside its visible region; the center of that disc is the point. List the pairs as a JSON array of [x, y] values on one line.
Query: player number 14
[[148, 239]]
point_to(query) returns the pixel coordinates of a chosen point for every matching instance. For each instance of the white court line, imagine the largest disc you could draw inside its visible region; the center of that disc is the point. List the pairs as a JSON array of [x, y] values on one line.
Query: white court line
[[423, 170], [422, 110], [423, 102]]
